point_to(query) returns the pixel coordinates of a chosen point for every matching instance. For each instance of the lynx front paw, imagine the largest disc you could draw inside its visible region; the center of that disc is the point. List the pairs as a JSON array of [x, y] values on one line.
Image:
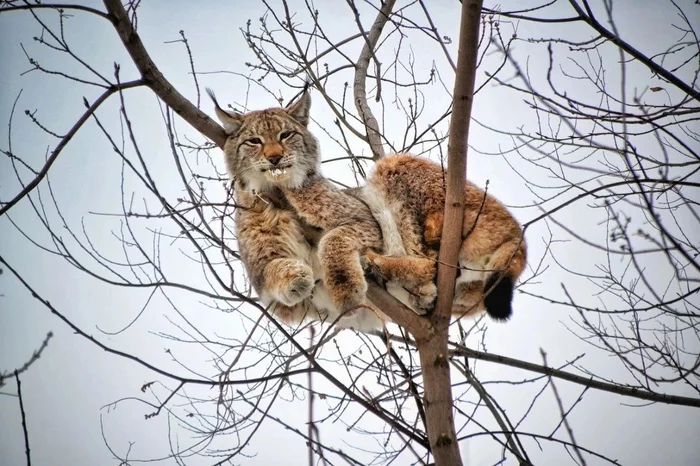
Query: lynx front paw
[[300, 287], [291, 281]]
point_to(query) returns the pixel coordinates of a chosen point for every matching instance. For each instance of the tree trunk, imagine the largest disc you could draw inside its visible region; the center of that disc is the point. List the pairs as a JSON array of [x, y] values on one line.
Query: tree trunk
[[433, 351]]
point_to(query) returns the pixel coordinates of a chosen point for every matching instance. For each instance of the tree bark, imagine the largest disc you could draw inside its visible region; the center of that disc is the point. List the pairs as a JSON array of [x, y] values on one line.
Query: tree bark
[[155, 80], [374, 138], [433, 351]]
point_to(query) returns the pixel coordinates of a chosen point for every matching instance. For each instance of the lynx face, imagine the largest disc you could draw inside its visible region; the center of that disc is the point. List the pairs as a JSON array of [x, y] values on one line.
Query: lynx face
[[270, 148]]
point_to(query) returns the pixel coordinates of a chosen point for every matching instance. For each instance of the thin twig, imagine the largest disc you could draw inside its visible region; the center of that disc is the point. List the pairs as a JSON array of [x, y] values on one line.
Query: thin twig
[[34, 357], [630, 391], [24, 419], [485, 397], [564, 414], [64, 141], [309, 376]]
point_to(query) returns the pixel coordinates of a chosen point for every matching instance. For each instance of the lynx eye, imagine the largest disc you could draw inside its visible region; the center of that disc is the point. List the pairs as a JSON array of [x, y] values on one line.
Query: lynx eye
[[286, 135], [254, 141]]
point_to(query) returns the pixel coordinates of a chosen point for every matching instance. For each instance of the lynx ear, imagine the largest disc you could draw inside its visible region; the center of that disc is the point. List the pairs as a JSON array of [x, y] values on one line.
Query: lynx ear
[[299, 110], [231, 120]]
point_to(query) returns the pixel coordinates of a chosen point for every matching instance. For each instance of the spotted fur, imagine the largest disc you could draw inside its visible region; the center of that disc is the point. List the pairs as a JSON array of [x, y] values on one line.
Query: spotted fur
[[300, 238], [304, 242], [493, 251]]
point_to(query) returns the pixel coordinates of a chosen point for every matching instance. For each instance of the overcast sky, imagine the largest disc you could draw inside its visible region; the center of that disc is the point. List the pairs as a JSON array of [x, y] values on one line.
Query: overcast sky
[[68, 393]]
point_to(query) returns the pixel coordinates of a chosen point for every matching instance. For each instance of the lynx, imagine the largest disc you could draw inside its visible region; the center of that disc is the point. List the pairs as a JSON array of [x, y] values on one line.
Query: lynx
[[303, 264], [306, 232]]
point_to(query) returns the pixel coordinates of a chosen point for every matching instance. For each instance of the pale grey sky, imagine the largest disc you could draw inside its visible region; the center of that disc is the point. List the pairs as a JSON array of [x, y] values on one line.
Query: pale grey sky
[[68, 393]]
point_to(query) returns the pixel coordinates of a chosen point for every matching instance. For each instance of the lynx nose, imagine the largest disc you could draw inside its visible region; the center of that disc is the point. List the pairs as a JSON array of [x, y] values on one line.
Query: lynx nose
[[274, 159]]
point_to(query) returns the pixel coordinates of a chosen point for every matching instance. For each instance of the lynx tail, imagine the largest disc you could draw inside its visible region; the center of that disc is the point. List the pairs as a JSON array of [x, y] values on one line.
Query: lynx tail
[[499, 289]]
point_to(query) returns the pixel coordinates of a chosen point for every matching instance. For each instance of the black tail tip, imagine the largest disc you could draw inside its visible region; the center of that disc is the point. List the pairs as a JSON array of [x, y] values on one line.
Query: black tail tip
[[498, 300]]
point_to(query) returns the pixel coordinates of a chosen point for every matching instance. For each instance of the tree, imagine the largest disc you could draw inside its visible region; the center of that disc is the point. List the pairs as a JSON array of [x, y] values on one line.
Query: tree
[[591, 138]]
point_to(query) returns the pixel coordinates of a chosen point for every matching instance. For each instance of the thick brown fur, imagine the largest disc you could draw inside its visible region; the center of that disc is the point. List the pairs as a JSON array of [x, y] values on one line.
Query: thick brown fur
[[300, 238], [276, 247], [304, 242], [493, 252], [351, 232]]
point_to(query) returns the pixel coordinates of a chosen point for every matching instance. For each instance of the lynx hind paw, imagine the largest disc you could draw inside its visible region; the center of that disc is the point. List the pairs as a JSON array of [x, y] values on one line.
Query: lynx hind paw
[[347, 294], [296, 283], [423, 297]]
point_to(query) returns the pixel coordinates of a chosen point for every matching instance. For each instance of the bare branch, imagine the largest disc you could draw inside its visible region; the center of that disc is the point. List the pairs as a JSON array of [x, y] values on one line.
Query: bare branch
[[359, 85], [154, 79], [29, 187], [24, 419], [35, 357], [418, 326]]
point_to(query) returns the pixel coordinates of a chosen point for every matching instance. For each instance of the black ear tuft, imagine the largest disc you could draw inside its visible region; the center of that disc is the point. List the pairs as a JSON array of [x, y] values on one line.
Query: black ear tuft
[[299, 110], [212, 96], [499, 299], [231, 120]]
